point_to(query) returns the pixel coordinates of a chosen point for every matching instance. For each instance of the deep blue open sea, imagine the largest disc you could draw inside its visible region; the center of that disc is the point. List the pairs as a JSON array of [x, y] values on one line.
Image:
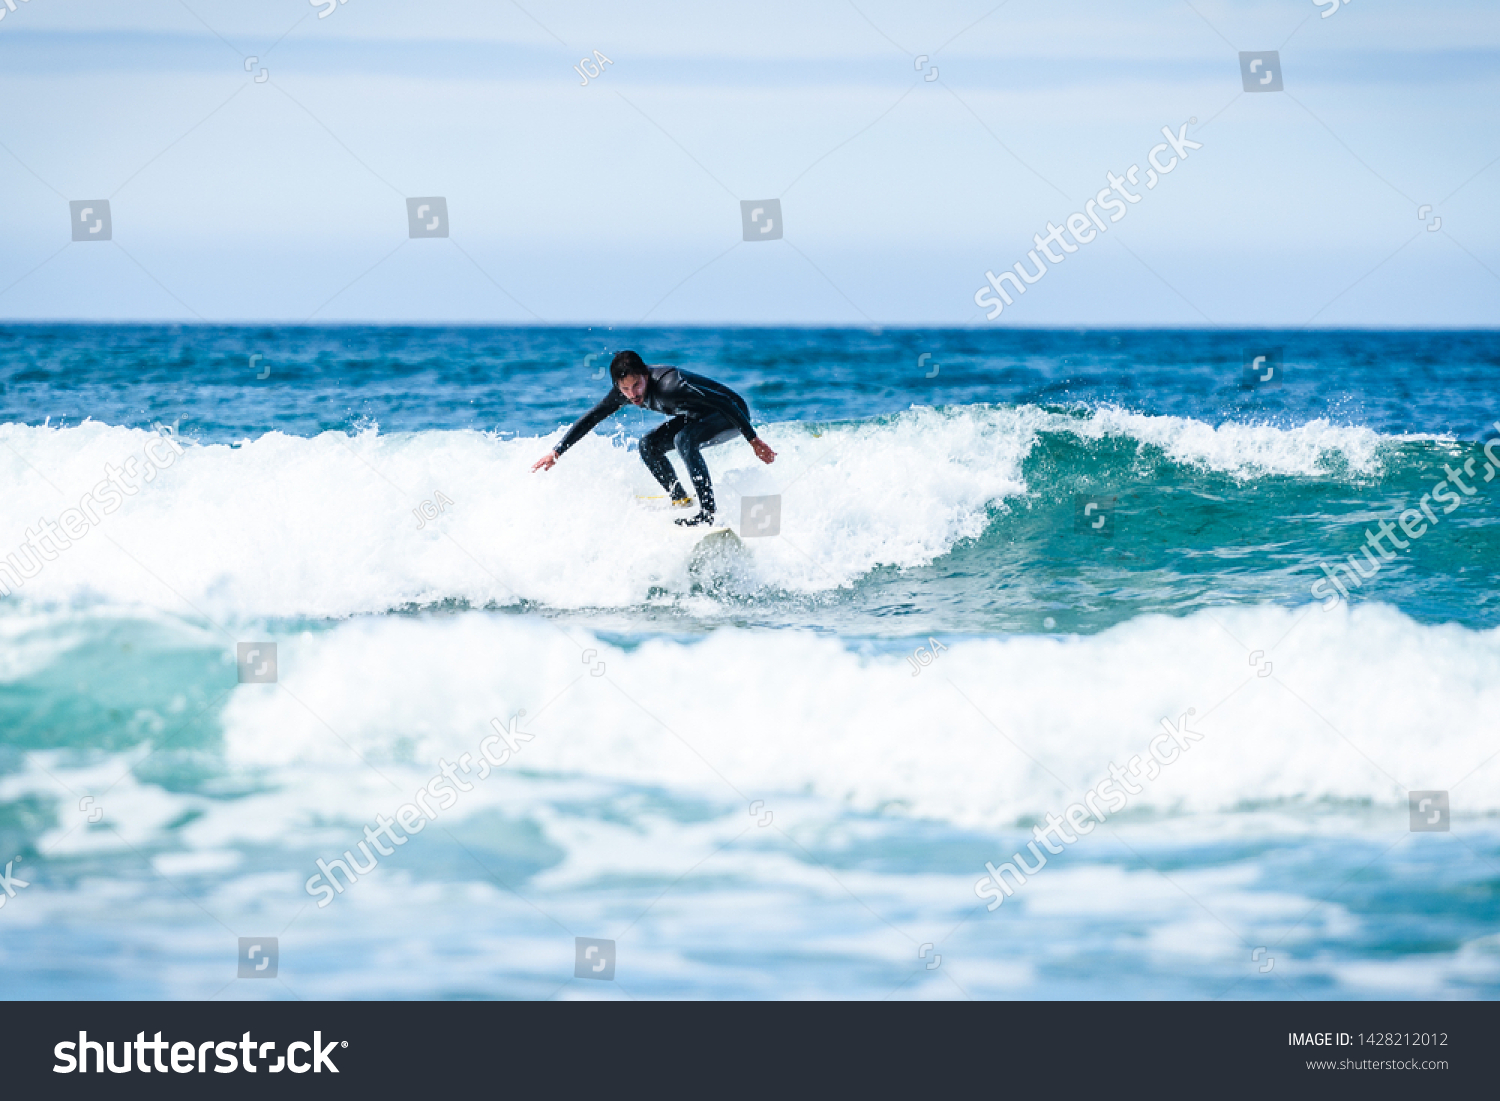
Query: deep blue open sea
[[1008, 563]]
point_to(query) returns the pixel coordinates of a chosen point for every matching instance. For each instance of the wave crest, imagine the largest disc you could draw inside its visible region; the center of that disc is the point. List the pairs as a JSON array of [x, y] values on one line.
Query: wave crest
[[332, 525]]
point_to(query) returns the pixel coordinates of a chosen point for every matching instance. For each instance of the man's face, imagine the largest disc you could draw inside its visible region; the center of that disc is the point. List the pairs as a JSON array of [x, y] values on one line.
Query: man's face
[[633, 387]]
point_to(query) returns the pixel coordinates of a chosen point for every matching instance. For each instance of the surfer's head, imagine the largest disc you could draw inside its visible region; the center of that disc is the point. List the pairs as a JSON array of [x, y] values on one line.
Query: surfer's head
[[628, 372]]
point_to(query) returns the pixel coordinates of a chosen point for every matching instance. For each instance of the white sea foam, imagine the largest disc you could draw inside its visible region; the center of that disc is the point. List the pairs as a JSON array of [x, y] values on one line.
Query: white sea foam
[[994, 732], [324, 526], [1243, 450], [663, 764], [285, 525]]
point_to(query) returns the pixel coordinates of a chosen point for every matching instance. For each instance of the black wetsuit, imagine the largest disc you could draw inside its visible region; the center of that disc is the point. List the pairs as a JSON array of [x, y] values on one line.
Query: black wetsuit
[[701, 413]]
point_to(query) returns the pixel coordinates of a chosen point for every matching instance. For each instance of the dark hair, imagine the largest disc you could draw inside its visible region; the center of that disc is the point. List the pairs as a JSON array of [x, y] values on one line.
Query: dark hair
[[626, 363]]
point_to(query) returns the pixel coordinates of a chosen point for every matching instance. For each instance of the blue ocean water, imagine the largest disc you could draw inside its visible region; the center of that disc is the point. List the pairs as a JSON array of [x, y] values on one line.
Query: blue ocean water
[[1008, 563]]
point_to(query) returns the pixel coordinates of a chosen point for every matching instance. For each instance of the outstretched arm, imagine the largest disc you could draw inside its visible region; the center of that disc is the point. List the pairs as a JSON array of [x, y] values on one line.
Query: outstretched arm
[[583, 427]]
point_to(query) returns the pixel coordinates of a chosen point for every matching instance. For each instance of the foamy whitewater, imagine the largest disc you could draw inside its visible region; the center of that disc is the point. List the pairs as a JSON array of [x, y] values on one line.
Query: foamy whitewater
[[776, 767]]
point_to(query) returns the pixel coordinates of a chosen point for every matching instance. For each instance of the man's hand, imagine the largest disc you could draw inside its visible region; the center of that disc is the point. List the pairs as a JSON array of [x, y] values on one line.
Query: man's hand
[[762, 452], [546, 461]]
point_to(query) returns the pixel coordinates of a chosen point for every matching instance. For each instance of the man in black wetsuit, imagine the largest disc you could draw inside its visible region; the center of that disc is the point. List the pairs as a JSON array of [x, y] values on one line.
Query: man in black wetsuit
[[701, 413]]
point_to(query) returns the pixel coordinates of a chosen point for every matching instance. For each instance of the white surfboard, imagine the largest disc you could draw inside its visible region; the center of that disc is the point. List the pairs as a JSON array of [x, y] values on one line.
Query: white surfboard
[[697, 533]]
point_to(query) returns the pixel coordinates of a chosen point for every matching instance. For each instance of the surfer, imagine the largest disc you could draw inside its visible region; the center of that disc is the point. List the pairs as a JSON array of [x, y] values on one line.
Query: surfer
[[700, 411]]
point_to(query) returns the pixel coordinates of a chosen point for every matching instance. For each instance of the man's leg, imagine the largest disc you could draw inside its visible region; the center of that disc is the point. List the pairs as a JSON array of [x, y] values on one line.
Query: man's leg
[[654, 447], [689, 441]]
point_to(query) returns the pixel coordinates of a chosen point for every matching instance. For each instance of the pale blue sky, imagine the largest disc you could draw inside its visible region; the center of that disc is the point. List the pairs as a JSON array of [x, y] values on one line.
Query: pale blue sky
[[234, 200]]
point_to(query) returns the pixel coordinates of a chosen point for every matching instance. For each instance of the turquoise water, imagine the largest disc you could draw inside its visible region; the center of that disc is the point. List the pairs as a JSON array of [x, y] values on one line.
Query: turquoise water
[[934, 655]]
